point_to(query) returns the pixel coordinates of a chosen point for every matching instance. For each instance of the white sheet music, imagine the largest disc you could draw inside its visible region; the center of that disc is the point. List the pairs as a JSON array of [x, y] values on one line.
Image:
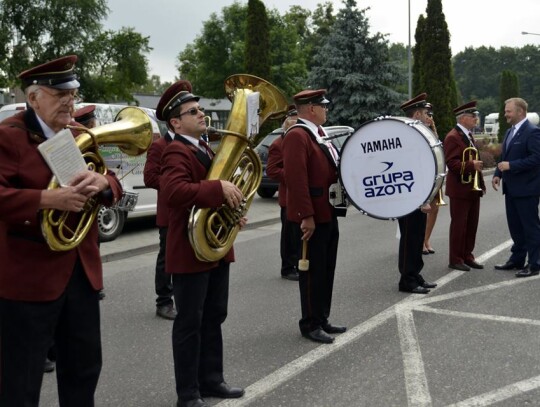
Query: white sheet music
[[63, 156]]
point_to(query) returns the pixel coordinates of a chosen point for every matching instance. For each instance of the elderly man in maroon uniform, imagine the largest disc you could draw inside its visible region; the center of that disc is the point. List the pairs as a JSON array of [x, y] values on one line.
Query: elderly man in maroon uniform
[[310, 166], [47, 295]]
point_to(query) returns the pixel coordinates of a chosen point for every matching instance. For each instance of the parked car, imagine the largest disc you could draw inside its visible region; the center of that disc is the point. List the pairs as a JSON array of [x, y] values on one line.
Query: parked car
[[336, 134], [129, 170]]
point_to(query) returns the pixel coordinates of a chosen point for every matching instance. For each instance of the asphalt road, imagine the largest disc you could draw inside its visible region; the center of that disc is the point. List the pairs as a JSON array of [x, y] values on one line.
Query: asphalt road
[[473, 341]]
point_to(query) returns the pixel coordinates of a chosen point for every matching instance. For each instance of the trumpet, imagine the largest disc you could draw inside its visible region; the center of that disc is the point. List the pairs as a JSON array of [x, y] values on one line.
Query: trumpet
[[473, 155], [440, 200]]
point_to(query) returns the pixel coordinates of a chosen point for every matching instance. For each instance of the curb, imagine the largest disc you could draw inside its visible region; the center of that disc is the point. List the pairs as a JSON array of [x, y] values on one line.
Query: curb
[[154, 247]]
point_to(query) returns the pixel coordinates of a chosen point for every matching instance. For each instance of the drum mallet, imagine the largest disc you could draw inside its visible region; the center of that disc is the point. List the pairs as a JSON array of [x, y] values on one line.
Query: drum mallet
[[303, 263]]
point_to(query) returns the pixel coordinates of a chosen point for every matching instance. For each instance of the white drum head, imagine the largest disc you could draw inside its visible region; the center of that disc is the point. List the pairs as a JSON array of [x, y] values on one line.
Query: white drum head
[[388, 167]]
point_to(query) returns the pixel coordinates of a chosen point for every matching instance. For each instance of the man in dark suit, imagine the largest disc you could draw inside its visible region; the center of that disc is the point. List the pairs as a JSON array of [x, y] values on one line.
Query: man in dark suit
[[152, 172], [463, 171], [519, 170], [274, 169], [201, 289], [412, 227], [310, 166], [47, 296]]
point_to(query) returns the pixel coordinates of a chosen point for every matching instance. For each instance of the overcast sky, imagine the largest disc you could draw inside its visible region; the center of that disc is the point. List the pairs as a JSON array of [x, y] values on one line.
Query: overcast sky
[[172, 24]]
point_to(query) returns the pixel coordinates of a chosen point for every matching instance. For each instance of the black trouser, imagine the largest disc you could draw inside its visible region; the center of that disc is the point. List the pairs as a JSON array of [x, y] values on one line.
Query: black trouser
[[288, 246], [27, 331], [410, 263], [201, 303], [317, 283], [163, 281]]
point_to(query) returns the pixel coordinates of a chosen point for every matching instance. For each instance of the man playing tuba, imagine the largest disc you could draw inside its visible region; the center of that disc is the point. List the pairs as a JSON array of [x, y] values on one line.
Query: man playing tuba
[[46, 294], [200, 288]]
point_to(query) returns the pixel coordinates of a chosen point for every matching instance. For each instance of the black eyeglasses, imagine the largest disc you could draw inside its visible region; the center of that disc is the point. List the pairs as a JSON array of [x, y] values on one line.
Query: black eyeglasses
[[192, 112], [323, 105]]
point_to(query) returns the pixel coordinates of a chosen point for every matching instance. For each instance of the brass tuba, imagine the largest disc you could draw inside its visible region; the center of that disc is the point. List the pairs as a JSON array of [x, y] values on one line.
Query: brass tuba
[[132, 132], [212, 231]]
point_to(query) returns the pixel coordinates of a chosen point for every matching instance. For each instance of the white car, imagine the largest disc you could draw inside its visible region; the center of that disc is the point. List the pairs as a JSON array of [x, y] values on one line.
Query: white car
[[128, 169]]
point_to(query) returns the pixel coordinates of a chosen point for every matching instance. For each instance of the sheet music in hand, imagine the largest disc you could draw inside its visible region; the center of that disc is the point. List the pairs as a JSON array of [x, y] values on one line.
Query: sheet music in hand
[[63, 156]]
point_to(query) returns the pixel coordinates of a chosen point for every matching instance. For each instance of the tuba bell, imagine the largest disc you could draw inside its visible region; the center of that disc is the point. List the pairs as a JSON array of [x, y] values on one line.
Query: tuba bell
[[131, 131], [212, 231]]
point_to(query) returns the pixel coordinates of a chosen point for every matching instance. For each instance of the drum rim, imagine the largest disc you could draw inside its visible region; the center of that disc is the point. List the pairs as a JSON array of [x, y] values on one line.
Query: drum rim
[[438, 176]]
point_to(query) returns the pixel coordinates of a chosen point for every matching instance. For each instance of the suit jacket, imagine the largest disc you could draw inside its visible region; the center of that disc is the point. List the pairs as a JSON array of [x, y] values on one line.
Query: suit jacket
[[152, 172], [523, 153], [454, 143], [275, 170], [30, 270], [310, 170], [183, 185]]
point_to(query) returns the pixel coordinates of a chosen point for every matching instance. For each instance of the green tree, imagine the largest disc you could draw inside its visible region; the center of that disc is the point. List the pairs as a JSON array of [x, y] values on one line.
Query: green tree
[[257, 40], [509, 88], [436, 72], [418, 63], [40, 30], [217, 53], [356, 70], [399, 54]]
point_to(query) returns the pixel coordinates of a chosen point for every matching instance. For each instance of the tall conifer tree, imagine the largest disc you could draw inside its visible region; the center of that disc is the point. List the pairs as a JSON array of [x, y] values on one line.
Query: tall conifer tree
[[257, 40], [435, 69], [509, 88]]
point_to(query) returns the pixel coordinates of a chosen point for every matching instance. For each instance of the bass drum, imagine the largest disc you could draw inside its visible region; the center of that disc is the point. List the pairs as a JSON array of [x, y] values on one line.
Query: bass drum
[[391, 166]]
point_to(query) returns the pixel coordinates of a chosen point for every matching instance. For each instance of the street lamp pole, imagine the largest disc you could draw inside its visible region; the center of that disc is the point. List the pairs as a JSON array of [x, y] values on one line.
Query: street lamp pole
[[409, 54]]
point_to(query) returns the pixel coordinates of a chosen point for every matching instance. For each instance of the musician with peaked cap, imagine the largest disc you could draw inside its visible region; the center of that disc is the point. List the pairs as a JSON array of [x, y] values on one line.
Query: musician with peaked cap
[[201, 289], [47, 295], [86, 116], [152, 171], [464, 199], [310, 166], [274, 169], [412, 227], [432, 214]]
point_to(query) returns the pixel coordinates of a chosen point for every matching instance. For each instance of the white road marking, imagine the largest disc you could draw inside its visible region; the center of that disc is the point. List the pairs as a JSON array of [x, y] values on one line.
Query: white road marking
[[413, 360]]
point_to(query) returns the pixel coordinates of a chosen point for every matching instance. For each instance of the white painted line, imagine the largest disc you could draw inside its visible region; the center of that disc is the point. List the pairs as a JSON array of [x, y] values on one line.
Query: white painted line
[[273, 380], [460, 314], [413, 365], [504, 393]]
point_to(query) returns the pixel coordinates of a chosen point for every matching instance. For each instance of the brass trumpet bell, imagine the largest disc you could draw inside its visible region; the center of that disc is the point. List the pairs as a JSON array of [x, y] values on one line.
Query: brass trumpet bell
[[132, 133]]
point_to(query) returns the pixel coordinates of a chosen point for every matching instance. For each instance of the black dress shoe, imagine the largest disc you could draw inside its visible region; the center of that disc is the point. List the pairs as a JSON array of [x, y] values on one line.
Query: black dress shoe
[[527, 272], [457, 266], [474, 265], [415, 290], [49, 366], [192, 403], [509, 265], [318, 335], [333, 329], [426, 284], [293, 276], [166, 312], [425, 252], [222, 390]]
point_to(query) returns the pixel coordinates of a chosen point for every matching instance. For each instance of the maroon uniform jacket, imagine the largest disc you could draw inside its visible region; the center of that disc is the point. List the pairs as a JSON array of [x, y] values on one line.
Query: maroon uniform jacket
[[274, 169], [310, 172], [454, 143], [30, 270], [183, 185], [152, 171]]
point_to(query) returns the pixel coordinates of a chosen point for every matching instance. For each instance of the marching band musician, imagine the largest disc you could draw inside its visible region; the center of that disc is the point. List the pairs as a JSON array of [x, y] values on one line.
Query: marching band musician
[[412, 227], [431, 215], [274, 169], [152, 171], [310, 166], [47, 295], [201, 289], [464, 199]]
